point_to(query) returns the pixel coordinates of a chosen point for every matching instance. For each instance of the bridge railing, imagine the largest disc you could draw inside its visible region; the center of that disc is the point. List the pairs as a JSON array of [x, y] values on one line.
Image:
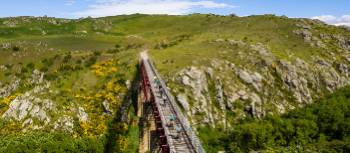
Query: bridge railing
[[167, 133], [185, 123]]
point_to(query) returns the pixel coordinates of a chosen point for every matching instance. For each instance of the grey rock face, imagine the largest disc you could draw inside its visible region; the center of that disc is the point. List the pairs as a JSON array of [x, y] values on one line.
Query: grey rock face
[[182, 99], [106, 108], [65, 123], [28, 106], [5, 46], [236, 42], [27, 122], [294, 81], [254, 79], [261, 49], [7, 90], [343, 42], [256, 105], [82, 115], [10, 23], [37, 112], [323, 63], [245, 76], [307, 35], [197, 81], [37, 77], [343, 69], [219, 94]]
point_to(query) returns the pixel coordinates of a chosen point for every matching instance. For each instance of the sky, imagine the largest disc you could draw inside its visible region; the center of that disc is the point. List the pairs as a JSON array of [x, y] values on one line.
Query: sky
[[335, 12]]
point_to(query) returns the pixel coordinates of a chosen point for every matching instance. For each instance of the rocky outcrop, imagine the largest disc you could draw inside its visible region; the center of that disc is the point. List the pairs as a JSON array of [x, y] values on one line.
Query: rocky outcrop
[[319, 40], [182, 99], [65, 123], [28, 105], [5, 46], [7, 90], [82, 115], [106, 107], [254, 79], [261, 84], [102, 25], [10, 23], [343, 69], [294, 80], [37, 77], [197, 81], [306, 34]]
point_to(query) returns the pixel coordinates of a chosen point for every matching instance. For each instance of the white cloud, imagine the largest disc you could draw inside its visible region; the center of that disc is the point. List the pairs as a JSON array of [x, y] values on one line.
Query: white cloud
[[330, 19], [69, 2], [172, 7]]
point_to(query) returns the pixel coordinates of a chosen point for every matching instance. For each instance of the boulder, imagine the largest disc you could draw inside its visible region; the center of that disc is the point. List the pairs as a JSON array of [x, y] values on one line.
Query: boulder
[[106, 107], [82, 115]]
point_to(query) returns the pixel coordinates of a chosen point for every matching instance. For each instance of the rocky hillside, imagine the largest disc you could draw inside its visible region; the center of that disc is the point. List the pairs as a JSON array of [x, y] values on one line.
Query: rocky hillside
[[251, 69], [71, 76], [55, 80]]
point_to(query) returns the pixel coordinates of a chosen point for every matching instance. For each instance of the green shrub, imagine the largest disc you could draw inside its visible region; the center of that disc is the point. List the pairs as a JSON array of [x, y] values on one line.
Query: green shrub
[[49, 142], [15, 48], [323, 126], [67, 58], [91, 61], [30, 66]]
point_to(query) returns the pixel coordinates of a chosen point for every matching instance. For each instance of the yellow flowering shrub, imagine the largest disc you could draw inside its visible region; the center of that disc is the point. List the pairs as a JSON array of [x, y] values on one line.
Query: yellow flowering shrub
[[6, 101], [104, 68], [101, 128], [110, 86], [86, 128], [122, 143], [93, 129]]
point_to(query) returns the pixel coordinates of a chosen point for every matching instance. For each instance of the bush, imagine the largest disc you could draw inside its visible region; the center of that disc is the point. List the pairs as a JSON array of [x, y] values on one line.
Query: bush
[[67, 58], [91, 61], [15, 48], [97, 53], [44, 69], [320, 127], [49, 142], [30, 66], [48, 62]]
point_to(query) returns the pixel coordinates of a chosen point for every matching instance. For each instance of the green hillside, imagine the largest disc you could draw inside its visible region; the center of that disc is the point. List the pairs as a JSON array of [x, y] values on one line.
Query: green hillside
[[319, 127], [66, 79]]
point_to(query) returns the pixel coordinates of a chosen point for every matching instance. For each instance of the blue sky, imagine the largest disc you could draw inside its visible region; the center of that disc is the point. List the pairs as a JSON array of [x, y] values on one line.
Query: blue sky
[[331, 11]]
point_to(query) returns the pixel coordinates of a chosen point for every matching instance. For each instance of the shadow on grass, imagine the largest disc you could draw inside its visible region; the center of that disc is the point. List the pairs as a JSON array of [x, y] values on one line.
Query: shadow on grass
[[121, 116]]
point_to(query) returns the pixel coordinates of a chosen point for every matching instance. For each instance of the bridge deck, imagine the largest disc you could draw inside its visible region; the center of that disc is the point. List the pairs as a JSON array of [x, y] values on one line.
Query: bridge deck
[[178, 137]]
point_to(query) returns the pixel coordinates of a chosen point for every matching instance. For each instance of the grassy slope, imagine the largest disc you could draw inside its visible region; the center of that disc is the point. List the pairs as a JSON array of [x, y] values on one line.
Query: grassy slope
[[62, 40], [185, 37]]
